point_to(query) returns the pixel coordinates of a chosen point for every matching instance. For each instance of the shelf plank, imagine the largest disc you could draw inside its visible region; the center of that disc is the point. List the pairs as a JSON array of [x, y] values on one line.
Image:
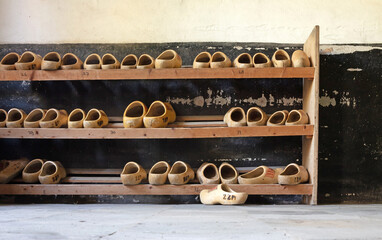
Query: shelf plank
[[147, 189], [170, 73], [155, 133]]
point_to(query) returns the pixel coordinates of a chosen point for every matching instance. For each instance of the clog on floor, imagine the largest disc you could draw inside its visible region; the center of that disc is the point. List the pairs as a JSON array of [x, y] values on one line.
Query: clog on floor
[[96, 119], [159, 115], [32, 170], [34, 118], [158, 173], [51, 61], [133, 174], [220, 60], [52, 172], [29, 61], [293, 174], [260, 175], [235, 117], [300, 59], [228, 173], [202, 60], [260, 60], [145, 61], [281, 59], [256, 117], [129, 62], [93, 61], [110, 62], [9, 169], [15, 118], [133, 115], [3, 118], [297, 117], [208, 173], [222, 194], [278, 118], [244, 60], [76, 118], [9, 60], [168, 59], [71, 61], [180, 173], [54, 119]]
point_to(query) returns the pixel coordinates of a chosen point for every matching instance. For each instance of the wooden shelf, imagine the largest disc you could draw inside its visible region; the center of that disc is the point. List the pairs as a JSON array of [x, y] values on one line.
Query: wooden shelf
[[147, 189], [171, 73], [156, 133]]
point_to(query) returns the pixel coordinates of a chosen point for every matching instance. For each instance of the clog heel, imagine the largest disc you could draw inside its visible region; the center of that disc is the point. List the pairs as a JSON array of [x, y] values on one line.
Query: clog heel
[[9, 60], [260, 60], [32, 170], [235, 117], [168, 59], [220, 60], [297, 117], [54, 119], [300, 59], [96, 119], [202, 60], [145, 61], [76, 118], [293, 174], [208, 173], [93, 61], [51, 61], [15, 118], [129, 62], [159, 115], [281, 59], [34, 118], [29, 61], [180, 173], [52, 172], [278, 118], [244, 60], [133, 174], [256, 117], [71, 61], [222, 194], [133, 115], [110, 62], [158, 173], [228, 173]]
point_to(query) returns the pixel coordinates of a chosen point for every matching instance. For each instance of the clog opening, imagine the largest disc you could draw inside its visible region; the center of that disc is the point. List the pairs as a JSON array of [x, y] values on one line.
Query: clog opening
[[255, 173], [76, 116], [50, 115], [69, 60], [129, 60], [178, 168], [290, 170], [33, 167], [210, 172], [227, 172], [204, 57], [259, 58], [52, 57], [3, 116], [144, 60], [93, 115], [277, 118], [237, 115], [135, 111], [254, 115], [156, 110], [3, 165], [294, 117], [245, 58], [218, 57], [131, 168], [167, 55], [34, 116], [27, 57], [93, 59], [108, 59], [226, 188], [281, 56], [159, 169], [10, 59], [48, 169], [14, 115]]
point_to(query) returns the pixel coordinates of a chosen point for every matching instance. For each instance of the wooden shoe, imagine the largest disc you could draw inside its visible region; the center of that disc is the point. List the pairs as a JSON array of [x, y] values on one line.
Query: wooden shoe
[[71, 61], [32, 170], [52, 172], [145, 61], [158, 173], [278, 118], [260, 60], [93, 61], [235, 117], [8, 61], [133, 174], [293, 174], [256, 117], [34, 118], [76, 118], [228, 173], [297, 117], [54, 119], [281, 59], [222, 194], [29, 61], [109, 62], [9, 169], [133, 115], [51, 61], [208, 173], [96, 119], [203, 60], [168, 59], [260, 175], [3, 118], [220, 60], [244, 60], [180, 173], [15, 118], [129, 62], [300, 59], [159, 115]]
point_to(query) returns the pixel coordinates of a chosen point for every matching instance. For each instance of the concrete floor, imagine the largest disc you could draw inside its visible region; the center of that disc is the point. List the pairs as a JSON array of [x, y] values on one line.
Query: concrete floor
[[196, 221]]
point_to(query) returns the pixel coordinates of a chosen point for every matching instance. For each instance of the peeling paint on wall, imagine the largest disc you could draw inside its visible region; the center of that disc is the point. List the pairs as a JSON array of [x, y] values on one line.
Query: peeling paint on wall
[[343, 98], [344, 49]]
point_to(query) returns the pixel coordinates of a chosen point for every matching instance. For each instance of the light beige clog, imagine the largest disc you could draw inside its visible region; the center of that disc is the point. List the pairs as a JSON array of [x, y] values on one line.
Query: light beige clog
[[133, 115], [71, 61], [15, 118], [278, 118], [34, 118], [228, 173], [203, 60], [51, 61], [96, 119], [52, 172], [93, 61], [159, 115], [110, 62], [260, 175], [9, 169], [158, 173], [293, 174], [220, 60], [222, 194], [145, 61], [235, 117], [208, 173], [76, 118], [281, 59], [129, 62], [3, 118], [180, 173], [244, 60], [9, 60], [256, 117], [300, 59], [297, 117], [29, 61], [54, 119], [260, 60], [133, 174], [168, 59], [32, 170]]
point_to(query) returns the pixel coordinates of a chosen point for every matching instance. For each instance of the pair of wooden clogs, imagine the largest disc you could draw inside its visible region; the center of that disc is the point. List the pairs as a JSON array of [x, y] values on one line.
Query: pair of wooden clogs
[[236, 117], [95, 118], [217, 60], [45, 172], [167, 59], [208, 173], [180, 173], [94, 61], [159, 115], [17, 118]]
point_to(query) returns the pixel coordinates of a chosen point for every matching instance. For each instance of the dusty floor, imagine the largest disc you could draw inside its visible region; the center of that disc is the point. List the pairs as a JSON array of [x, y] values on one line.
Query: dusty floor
[[61, 221]]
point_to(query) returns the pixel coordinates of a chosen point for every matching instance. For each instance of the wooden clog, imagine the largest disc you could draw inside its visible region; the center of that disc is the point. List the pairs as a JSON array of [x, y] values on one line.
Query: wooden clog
[[9, 169], [260, 175], [52, 172], [222, 194], [228, 173], [220, 60], [281, 59], [29, 61], [8, 61], [159, 115], [300, 59], [133, 115], [51, 61], [244, 60], [34, 118], [168, 59], [133, 174], [32, 170], [180, 173], [293, 174], [235, 117], [297, 117], [208, 173], [76, 118], [203, 60], [256, 117], [54, 119], [71, 61], [278, 118], [158, 173], [145, 61], [96, 119], [93, 61], [110, 62], [15, 118], [260, 60], [3, 118], [129, 62]]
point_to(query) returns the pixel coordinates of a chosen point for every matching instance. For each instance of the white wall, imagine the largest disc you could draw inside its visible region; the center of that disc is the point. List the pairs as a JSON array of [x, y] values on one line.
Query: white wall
[[133, 21]]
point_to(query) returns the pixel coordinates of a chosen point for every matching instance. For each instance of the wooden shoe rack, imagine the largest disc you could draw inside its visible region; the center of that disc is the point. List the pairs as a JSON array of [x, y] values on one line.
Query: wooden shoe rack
[[77, 182]]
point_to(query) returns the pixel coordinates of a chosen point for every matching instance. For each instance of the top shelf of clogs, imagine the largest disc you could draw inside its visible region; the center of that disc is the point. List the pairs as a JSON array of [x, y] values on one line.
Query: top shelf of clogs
[[169, 73]]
